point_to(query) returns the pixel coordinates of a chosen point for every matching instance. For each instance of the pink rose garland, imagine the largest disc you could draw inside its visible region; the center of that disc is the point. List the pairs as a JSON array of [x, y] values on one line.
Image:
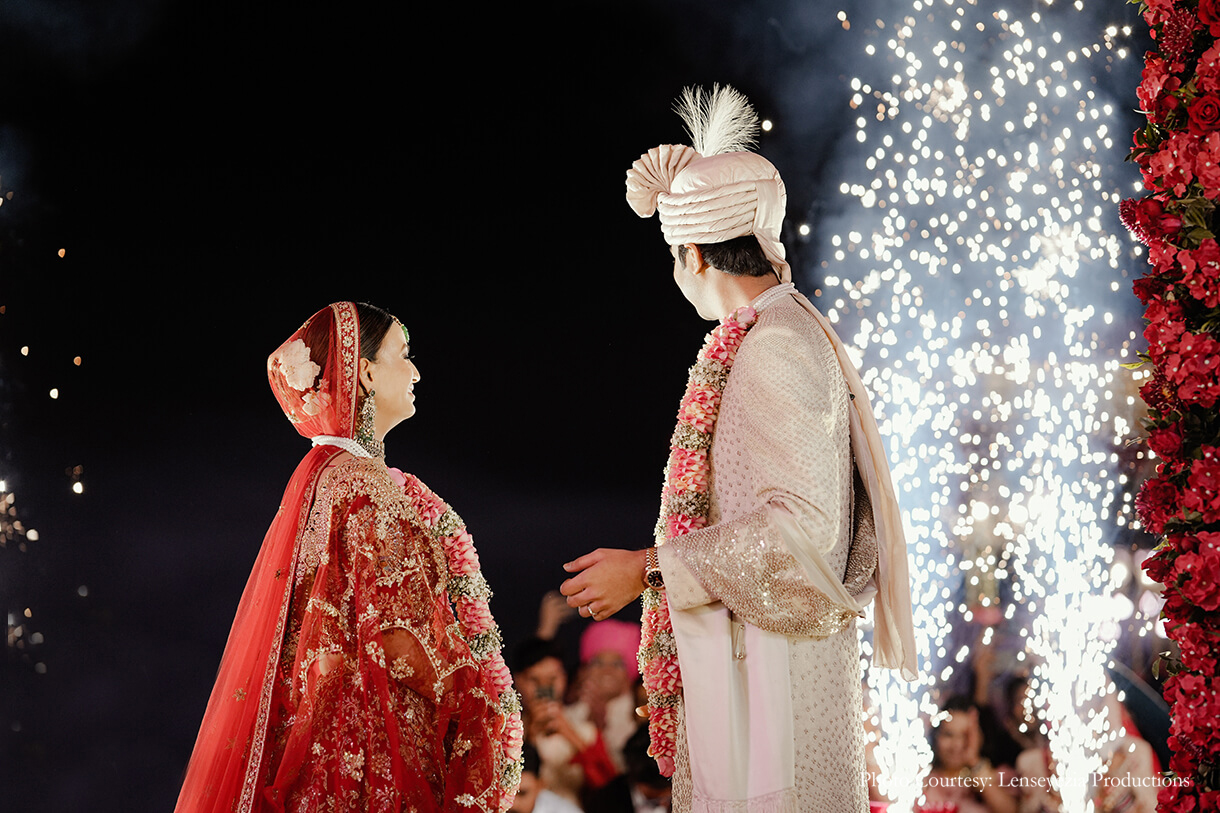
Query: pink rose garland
[[684, 505], [470, 596]]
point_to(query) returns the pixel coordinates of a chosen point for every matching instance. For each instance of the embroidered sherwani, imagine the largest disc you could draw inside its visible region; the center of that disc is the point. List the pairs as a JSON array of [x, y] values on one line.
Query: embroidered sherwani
[[771, 716]]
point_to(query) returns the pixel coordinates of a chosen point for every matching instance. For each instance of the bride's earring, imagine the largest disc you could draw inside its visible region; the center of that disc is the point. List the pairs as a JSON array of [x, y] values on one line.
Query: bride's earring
[[366, 422]]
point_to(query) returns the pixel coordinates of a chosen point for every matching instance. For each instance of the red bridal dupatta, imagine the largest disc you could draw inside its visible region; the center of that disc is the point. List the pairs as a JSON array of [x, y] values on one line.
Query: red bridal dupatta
[[345, 683]]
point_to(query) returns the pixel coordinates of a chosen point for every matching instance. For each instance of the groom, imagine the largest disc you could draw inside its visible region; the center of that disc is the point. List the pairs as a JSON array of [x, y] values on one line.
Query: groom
[[778, 523]]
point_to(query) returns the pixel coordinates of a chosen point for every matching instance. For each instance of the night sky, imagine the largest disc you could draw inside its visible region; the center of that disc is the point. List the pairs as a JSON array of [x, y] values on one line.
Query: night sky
[[217, 172]]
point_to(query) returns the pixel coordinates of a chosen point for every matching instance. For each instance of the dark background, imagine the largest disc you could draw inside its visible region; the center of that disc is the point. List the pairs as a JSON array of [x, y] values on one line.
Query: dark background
[[215, 173]]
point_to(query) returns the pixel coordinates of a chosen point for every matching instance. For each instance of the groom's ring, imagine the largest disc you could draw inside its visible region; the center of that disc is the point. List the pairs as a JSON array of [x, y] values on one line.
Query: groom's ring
[[588, 607]]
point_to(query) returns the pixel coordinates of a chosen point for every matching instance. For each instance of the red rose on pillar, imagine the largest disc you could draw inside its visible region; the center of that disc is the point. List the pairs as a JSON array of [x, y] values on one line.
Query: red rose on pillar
[[1209, 15], [1166, 442], [1162, 256], [1158, 11], [1173, 165], [1157, 503], [1174, 798], [1197, 644], [1202, 492], [1148, 288], [1194, 365], [1155, 91], [1159, 566], [1201, 272], [1165, 328], [1198, 581]]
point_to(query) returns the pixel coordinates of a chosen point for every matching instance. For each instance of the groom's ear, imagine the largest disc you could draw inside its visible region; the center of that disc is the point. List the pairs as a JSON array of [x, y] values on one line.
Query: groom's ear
[[694, 259]]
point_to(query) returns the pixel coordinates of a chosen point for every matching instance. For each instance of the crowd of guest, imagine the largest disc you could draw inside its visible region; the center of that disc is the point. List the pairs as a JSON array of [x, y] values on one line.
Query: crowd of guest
[[586, 747], [995, 757]]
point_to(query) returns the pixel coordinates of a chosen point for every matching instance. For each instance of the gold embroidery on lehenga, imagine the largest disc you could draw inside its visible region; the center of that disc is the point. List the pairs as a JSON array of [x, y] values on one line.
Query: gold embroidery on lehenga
[[371, 582], [382, 765], [400, 669], [353, 764], [321, 604], [350, 482]]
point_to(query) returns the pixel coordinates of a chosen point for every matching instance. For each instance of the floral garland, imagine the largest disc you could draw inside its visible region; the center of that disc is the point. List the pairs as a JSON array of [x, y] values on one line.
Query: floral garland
[[469, 592], [1178, 152], [684, 507]]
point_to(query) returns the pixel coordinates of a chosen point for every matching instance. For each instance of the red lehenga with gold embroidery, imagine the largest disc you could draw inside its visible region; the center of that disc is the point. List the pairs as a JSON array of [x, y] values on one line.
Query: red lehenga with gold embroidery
[[348, 683]]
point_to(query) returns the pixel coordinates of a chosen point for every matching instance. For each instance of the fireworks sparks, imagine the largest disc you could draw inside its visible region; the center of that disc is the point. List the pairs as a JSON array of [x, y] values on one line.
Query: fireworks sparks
[[977, 270]]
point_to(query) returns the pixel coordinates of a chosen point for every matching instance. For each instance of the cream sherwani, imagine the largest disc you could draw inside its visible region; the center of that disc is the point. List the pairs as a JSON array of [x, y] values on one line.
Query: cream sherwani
[[762, 600]]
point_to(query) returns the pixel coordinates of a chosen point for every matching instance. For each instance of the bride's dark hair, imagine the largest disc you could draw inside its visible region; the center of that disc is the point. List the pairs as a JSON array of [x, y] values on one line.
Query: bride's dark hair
[[374, 325]]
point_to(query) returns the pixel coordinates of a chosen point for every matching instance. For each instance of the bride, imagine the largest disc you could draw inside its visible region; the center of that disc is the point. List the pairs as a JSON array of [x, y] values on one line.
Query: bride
[[363, 670]]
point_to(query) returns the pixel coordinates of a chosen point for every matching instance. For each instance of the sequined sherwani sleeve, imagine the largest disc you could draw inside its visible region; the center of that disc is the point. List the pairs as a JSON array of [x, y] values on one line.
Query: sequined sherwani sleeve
[[781, 484]]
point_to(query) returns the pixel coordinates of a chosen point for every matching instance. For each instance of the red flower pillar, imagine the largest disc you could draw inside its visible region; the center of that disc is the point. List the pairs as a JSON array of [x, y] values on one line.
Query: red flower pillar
[[1178, 152]]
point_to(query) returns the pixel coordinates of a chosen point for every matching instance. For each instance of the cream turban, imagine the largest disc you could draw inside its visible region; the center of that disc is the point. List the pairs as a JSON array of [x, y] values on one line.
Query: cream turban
[[715, 198]]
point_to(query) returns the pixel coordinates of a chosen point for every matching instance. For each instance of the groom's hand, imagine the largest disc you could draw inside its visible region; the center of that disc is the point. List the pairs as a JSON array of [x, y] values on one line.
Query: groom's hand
[[606, 581]]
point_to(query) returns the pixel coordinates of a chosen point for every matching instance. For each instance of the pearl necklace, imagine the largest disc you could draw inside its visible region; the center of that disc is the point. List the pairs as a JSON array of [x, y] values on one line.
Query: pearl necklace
[[354, 448]]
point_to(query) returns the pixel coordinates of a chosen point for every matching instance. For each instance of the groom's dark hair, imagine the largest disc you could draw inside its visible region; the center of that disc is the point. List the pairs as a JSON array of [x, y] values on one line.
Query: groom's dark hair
[[739, 257]]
